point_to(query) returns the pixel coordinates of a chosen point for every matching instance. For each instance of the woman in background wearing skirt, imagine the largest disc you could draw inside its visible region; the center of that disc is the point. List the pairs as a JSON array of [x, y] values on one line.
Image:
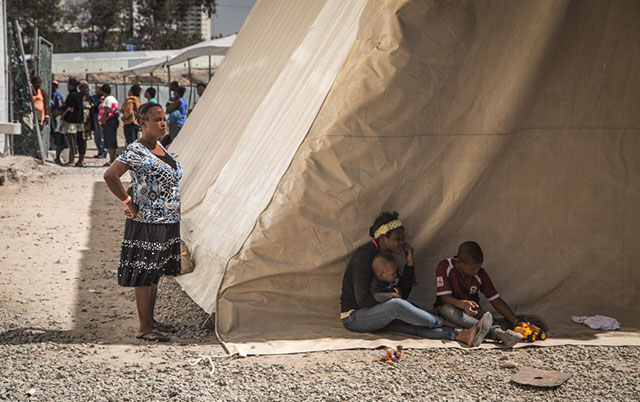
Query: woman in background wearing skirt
[[151, 245]]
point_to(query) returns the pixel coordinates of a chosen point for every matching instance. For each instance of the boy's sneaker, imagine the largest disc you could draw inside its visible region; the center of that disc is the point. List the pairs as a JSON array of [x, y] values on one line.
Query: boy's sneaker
[[510, 338], [484, 326]]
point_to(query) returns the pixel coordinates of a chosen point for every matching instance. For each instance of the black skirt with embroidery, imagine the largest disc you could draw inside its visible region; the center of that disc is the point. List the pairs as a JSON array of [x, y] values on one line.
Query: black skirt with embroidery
[[149, 250]]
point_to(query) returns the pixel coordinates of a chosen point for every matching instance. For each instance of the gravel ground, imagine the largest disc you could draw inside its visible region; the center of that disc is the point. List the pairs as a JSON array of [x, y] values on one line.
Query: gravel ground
[[62, 369]]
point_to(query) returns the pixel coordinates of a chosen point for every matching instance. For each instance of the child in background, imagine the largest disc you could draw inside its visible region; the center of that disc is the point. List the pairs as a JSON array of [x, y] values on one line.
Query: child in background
[[458, 281]]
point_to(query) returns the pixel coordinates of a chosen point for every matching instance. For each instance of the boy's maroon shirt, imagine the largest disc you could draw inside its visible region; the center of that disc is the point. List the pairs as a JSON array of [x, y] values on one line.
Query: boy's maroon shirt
[[449, 281]]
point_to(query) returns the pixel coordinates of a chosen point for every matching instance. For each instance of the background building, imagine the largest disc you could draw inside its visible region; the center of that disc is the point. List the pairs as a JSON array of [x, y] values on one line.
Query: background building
[[196, 21]]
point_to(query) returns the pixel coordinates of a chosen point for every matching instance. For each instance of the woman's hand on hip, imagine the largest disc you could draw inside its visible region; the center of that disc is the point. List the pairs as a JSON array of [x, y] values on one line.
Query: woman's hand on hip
[[131, 211]]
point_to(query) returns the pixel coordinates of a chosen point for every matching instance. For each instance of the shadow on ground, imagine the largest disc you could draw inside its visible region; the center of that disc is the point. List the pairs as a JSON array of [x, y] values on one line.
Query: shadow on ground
[[104, 311]]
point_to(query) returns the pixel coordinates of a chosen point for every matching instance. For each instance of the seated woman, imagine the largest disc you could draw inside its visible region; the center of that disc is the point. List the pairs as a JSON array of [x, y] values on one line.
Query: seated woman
[[360, 312]]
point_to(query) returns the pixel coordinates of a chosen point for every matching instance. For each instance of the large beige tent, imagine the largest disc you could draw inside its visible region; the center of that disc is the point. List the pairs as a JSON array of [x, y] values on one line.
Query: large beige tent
[[512, 123]]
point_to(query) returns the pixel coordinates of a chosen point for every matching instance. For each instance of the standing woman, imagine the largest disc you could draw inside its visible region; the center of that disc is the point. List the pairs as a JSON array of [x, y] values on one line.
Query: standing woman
[[151, 245]]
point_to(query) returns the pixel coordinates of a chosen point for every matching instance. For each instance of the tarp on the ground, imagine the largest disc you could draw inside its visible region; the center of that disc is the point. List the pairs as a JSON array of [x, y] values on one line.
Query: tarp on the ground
[[512, 123]]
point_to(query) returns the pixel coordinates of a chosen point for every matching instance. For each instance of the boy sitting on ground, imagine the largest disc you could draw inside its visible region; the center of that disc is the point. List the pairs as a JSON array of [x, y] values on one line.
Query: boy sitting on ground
[[458, 281]]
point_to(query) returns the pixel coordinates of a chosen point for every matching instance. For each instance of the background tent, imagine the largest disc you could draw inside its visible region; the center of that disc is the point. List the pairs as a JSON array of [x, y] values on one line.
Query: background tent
[[513, 123], [213, 47], [149, 66]]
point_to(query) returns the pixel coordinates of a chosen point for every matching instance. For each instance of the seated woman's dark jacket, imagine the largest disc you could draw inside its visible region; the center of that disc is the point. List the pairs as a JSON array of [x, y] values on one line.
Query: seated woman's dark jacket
[[356, 283]]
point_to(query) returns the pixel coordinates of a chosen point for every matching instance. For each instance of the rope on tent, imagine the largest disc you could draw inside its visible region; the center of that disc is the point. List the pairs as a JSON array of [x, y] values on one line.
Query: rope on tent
[[239, 353]]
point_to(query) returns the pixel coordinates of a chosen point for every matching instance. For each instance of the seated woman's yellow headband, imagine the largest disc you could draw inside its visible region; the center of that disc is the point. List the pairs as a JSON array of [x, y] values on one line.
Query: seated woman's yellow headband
[[387, 227]]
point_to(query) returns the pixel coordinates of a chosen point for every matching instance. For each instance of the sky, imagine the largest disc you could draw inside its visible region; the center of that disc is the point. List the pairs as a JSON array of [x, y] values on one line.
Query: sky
[[230, 15]]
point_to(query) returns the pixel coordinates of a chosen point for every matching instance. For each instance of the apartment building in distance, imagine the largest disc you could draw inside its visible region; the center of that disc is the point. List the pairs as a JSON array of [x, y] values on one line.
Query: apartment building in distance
[[196, 21]]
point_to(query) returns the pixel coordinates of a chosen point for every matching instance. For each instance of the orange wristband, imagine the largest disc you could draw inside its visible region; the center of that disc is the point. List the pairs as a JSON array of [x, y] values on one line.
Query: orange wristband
[[127, 200]]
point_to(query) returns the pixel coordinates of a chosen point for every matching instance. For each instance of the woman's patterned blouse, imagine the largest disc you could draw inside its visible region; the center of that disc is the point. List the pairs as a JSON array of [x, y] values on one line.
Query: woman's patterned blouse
[[156, 188]]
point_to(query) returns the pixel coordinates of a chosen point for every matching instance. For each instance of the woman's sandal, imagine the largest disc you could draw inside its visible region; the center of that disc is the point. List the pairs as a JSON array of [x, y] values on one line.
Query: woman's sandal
[[153, 336], [166, 328], [483, 327]]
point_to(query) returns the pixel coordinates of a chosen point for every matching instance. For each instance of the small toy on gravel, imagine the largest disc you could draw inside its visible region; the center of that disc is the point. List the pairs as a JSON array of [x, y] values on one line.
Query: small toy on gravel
[[388, 355]]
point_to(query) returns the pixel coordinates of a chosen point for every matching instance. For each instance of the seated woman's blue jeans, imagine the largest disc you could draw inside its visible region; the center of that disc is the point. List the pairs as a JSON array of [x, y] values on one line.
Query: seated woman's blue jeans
[[399, 315]]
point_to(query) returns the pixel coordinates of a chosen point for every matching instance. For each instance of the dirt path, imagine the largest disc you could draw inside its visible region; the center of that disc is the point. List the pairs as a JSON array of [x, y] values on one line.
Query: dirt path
[[61, 234]]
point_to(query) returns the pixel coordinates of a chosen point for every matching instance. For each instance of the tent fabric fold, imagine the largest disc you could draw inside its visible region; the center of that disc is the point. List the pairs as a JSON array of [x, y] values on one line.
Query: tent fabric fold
[[272, 134], [511, 123]]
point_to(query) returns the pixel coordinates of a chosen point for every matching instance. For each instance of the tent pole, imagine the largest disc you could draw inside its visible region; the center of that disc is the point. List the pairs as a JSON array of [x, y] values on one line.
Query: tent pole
[[7, 76], [190, 83], [36, 53], [34, 117], [209, 69], [169, 76]]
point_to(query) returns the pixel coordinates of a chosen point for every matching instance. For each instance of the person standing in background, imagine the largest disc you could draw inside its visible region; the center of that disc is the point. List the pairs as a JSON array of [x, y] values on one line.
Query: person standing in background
[[98, 138], [40, 101], [56, 107], [199, 90], [108, 118], [177, 111], [73, 122], [173, 87], [57, 100], [86, 117], [129, 109]]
